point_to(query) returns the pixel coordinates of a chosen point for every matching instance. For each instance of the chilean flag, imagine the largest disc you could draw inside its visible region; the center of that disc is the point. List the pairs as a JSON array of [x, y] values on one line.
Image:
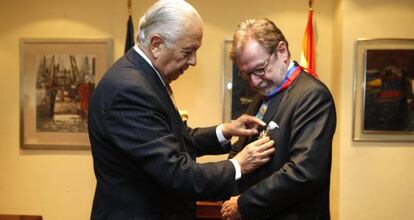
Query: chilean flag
[[307, 55]]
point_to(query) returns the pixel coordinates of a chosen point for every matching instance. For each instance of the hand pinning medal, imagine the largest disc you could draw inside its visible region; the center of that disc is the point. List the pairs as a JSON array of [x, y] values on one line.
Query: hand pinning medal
[[272, 125]]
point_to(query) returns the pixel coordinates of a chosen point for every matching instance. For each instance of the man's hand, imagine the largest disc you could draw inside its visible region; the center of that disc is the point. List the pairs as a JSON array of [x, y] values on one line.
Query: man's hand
[[255, 154], [230, 209], [245, 125]]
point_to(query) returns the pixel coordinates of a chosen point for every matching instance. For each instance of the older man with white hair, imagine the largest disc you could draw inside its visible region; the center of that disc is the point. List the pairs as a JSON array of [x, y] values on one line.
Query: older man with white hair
[[143, 154]]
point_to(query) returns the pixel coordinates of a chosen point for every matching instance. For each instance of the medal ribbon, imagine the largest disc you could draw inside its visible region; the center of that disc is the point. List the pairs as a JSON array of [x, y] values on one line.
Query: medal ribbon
[[291, 75]]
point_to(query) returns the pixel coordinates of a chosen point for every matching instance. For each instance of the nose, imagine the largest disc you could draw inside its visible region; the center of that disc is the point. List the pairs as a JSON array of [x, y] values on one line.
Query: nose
[[193, 59]]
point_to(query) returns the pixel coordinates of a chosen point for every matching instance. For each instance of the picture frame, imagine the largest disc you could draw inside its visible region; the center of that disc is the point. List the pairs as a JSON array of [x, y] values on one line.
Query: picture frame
[[237, 94], [57, 77], [383, 96]]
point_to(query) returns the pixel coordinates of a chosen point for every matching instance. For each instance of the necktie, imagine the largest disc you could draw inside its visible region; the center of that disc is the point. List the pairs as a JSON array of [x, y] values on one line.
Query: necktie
[[170, 93], [183, 114]]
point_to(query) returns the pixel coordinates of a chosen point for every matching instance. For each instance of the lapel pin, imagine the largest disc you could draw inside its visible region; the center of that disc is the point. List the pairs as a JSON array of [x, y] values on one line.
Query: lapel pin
[[272, 125]]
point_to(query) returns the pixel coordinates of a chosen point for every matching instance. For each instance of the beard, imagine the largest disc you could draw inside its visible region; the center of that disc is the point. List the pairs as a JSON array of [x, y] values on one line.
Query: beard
[[267, 90], [267, 86]]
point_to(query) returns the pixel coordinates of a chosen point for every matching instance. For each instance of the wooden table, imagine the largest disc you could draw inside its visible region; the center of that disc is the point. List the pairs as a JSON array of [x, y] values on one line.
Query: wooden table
[[20, 217], [207, 210]]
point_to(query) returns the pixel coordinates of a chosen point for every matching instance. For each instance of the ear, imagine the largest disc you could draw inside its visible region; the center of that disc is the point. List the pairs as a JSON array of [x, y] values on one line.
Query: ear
[[156, 44], [282, 51]]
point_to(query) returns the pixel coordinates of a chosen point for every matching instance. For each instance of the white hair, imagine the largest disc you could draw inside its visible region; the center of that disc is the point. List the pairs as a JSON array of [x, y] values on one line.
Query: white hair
[[166, 18]]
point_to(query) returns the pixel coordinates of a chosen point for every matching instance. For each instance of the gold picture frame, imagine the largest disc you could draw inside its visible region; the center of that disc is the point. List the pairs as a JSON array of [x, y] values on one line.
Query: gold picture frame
[[384, 90], [57, 77]]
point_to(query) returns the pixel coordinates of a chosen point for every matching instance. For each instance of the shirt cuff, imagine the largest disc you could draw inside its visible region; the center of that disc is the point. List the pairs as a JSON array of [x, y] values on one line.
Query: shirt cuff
[[220, 137], [237, 168]]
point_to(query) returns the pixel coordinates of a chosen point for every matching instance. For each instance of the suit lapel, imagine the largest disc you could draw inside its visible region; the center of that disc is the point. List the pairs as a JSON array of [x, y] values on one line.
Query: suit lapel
[[147, 72], [251, 110], [155, 83], [152, 77], [255, 105], [274, 106]]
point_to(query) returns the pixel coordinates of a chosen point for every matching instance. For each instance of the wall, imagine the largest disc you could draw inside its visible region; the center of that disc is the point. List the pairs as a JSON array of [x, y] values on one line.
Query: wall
[[56, 184], [60, 184], [376, 179]]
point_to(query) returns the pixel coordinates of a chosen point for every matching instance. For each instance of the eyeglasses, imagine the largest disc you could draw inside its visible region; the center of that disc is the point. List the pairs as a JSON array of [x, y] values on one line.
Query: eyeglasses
[[259, 71]]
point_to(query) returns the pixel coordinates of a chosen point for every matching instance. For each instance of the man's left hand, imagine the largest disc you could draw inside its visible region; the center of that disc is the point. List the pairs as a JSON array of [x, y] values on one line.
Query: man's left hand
[[230, 209], [245, 125]]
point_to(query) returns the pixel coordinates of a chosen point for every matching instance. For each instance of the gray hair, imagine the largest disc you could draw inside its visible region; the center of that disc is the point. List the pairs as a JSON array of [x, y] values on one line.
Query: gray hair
[[166, 18], [263, 30]]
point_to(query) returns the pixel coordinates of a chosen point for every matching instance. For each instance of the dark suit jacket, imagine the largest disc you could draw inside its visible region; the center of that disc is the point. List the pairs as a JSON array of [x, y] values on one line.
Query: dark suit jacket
[[143, 154], [295, 183]]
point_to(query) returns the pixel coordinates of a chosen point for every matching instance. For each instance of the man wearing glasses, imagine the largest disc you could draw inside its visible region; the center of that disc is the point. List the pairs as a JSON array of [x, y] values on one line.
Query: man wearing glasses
[[295, 183]]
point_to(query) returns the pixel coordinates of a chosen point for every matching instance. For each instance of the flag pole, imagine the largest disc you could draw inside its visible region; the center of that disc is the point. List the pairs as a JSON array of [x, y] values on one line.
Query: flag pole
[[307, 56], [129, 7], [129, 41]]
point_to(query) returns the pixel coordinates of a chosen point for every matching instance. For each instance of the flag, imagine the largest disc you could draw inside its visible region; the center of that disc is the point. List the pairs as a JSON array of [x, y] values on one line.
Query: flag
[[307, 55], [129, 42]]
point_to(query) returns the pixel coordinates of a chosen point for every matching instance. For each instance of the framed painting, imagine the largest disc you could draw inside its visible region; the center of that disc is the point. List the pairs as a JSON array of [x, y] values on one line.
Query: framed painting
[[384, 90], [57, 77], [237, 92]]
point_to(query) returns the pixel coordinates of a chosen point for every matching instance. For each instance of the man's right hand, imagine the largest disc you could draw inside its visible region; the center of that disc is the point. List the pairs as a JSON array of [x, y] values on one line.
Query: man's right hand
[[255, 154], [244, 125]]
